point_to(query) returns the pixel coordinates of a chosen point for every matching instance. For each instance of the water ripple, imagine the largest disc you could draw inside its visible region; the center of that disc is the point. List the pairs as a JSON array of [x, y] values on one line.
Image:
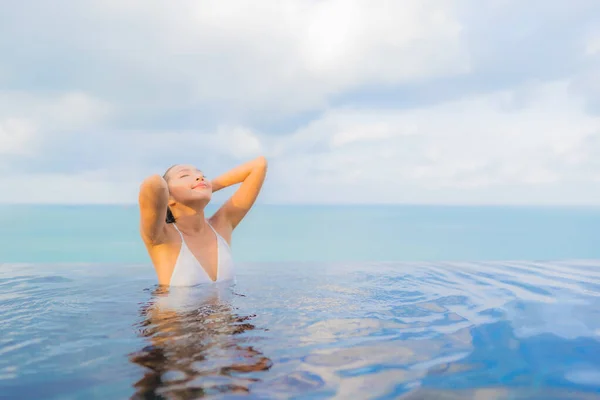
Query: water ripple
[[494, 330]]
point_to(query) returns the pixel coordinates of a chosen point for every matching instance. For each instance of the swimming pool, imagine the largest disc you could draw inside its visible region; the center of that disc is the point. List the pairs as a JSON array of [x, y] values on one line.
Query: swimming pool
[[304, 330]]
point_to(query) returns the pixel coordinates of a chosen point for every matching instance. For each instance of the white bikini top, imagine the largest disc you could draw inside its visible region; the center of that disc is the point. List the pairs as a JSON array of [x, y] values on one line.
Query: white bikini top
[[189, 272]]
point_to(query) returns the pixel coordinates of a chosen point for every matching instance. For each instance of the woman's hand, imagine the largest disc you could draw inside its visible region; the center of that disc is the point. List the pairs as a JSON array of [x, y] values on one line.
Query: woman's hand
[[251, 175]]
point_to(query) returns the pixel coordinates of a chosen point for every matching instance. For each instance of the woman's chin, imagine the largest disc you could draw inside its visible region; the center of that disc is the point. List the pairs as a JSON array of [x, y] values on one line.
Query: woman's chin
[[199, 200]]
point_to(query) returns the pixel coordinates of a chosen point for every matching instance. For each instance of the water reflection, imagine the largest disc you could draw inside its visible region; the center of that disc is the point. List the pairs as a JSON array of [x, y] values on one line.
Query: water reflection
[[196, 346]]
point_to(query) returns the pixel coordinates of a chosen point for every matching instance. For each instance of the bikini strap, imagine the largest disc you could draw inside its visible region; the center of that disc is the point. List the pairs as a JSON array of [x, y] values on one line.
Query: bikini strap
[[178, 231], [218, 235], [214, 230], [209, 224]]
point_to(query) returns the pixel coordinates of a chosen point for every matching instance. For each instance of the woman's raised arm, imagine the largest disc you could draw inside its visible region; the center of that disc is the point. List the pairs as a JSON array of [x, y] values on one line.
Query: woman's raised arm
[[153, 200], [251, 175]]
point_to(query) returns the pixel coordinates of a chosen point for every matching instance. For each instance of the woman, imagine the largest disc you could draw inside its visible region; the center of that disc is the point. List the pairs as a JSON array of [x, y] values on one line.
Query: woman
[[186, 248]]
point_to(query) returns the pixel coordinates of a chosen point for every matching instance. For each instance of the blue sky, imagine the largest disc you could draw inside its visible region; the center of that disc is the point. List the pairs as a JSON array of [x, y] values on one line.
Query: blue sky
[[423, 101]]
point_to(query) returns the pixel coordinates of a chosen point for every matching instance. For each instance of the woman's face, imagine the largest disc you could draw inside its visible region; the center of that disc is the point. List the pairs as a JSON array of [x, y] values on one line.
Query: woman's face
[[187, 184]]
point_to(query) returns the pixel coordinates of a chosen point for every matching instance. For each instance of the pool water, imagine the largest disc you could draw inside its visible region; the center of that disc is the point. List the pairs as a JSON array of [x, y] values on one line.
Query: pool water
[[486, 330]]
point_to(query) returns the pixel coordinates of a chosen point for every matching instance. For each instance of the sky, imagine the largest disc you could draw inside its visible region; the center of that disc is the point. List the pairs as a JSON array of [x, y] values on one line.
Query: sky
[[413, 101]]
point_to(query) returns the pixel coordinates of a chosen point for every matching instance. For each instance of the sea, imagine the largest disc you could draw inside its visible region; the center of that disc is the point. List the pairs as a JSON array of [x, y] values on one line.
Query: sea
[[330, 302]]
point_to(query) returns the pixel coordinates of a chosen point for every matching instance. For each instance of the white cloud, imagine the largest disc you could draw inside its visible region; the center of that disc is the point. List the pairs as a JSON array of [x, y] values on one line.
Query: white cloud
[[16, 136], [520, 146], [294, 54], [234, 142], [586, 81], [75, 110], [238, 142], [70, 110], [414, 101], [478, 143], [32, 125], [278, 56], [90, 187], [592, 47], [351, 42]]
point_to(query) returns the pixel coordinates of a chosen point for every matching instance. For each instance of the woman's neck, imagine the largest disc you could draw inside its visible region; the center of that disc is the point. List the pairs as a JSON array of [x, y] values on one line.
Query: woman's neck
[[191, 223]]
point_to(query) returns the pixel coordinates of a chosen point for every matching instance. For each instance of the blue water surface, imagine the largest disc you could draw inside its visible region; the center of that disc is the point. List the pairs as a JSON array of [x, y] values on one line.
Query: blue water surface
[[314, 330], [315, 233]]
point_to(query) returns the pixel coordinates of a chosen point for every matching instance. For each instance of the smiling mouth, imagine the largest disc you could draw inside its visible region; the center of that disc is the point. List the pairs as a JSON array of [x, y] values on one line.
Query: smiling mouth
[[201, 185]]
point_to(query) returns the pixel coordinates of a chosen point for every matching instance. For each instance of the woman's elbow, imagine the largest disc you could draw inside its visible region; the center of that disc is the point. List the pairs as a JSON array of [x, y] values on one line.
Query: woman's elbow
[[153, 188], [261, 161]]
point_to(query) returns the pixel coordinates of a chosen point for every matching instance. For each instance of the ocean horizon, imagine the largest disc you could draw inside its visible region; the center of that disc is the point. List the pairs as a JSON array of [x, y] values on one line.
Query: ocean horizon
[[316, 233]]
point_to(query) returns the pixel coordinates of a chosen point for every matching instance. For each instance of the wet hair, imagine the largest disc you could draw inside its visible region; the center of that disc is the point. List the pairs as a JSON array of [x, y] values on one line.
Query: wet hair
[[169, 218]]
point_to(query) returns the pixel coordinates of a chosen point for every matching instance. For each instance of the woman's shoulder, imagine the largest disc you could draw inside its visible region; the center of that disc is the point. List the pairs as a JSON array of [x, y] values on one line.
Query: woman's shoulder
[[222, 226]]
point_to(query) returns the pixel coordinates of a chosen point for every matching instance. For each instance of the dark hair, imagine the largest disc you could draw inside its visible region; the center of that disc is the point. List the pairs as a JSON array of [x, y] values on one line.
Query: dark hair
[[170, 218]]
